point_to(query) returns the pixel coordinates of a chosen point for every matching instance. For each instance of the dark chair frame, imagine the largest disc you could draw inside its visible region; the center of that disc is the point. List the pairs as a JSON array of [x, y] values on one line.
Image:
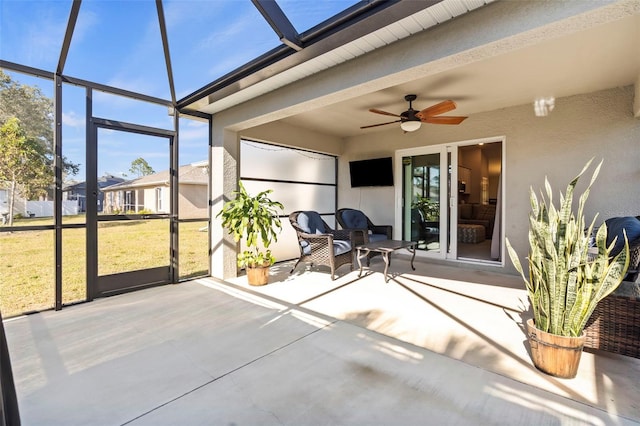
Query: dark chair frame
[[614, 326], [634, 264], [425, 229], [634, 261], [362, 236], [321, 246]]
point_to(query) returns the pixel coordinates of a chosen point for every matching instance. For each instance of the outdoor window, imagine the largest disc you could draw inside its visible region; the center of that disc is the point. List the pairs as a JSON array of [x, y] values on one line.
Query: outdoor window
[[129, 201], [159, 200]]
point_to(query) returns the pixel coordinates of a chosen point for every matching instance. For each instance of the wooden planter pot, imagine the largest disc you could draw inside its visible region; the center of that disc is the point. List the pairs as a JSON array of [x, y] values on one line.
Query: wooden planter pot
[[257, 275], [555, 355]]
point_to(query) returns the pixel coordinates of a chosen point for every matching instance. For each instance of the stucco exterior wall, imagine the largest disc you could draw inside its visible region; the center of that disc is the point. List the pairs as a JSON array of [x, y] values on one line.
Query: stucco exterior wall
[[599, 125], [192, 202]]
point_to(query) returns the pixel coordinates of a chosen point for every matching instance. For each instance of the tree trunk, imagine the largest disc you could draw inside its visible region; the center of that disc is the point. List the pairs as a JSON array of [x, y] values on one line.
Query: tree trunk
[[12, 201]]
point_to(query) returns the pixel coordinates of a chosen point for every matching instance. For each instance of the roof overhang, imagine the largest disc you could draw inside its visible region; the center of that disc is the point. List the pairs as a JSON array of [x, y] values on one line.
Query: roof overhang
[[333, 35]]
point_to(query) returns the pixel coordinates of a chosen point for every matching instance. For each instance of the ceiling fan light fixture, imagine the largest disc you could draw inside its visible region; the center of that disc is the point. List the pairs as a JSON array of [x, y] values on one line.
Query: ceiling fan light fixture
[[411, 119], [410, 125]]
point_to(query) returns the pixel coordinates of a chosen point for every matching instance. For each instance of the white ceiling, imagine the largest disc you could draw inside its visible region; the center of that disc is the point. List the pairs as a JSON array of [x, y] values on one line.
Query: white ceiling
[[601, 57]]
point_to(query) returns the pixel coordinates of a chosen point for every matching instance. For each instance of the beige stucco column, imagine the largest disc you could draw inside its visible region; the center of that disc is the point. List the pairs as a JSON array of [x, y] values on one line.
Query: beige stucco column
[[225, 164], [636, 99]]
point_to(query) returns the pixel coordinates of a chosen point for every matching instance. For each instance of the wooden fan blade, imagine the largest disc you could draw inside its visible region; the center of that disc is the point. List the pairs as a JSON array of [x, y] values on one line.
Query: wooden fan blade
[[444, 120], [437, 109], [381, 124], [378, 111]]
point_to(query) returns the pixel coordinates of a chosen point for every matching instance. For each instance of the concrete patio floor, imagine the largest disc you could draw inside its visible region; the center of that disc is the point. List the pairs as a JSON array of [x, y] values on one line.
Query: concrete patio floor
[[440, 345]]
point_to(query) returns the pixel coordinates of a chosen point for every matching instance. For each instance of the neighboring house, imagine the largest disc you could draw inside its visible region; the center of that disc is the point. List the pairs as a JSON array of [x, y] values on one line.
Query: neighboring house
[[151, 193], [74, 199], [19, 205], [77, 191], [43, 207]]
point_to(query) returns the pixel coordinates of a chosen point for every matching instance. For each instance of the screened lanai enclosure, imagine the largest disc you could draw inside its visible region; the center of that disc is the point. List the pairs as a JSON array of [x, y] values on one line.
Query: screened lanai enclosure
[[136, 123], [122, 201]]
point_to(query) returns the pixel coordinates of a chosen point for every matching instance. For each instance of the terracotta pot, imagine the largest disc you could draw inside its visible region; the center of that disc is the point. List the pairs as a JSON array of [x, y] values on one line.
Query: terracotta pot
[[258, 275], [553, 354]]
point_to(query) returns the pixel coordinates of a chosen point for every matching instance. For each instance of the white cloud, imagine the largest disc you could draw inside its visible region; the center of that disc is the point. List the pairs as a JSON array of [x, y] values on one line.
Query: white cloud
[[72, 119], [188, 12]]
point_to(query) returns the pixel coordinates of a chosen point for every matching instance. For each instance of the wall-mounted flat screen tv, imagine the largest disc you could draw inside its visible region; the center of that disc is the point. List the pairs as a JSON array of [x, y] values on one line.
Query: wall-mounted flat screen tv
[[373, 172]]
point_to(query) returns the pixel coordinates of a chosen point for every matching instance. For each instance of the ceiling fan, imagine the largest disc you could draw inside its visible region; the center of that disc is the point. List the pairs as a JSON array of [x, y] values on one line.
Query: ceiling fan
[[411, 119]]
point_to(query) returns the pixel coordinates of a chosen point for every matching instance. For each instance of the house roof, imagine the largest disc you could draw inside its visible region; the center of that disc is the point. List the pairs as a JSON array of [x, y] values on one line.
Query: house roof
[[103, 181], [283, 35], [498, 56], [191, 174], [582, 47], [326, 46]]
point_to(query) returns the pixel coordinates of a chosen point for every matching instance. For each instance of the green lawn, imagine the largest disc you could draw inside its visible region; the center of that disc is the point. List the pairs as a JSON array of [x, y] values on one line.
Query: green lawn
[[28, 270]]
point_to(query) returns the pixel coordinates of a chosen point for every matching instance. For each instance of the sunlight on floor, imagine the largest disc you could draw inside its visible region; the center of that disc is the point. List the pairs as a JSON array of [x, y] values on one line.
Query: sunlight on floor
[[535, 402]]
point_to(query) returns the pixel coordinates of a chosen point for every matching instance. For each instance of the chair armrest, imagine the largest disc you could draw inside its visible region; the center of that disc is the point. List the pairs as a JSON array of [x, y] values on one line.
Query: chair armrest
[[317, 241], [306, 236], [356, 236], [383, 229]]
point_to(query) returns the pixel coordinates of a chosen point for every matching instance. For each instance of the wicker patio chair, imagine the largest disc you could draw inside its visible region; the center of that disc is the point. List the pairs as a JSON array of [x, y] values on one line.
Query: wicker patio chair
[[320, 244], [614, 326], [352, 219], [631, 226]]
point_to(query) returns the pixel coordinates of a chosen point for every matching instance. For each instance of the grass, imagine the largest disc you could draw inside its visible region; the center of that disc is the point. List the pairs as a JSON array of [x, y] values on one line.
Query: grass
[[28, 268]]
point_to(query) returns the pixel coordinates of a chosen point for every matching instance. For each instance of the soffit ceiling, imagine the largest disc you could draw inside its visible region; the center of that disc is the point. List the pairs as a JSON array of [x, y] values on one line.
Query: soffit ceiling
[[571, 62], [355, 40], [599, 58]]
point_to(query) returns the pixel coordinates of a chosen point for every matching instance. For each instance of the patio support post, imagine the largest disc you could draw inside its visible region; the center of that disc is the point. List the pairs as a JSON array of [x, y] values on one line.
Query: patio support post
[[57, 214], [225, 161]]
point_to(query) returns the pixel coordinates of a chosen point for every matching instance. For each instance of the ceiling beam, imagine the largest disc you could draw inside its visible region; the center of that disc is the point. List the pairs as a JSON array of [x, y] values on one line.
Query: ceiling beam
[[362, 19], [71, 24], [285, 30], [165, 46]]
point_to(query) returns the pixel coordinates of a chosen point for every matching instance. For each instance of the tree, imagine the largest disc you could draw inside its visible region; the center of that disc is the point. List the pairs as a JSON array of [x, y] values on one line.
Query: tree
[[23, 164], [35, 112], [140, 167]]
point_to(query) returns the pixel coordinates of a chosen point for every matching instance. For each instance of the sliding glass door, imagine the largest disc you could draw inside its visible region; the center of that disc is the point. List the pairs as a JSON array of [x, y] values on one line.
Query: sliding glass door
[[423, 196], [449, 200]]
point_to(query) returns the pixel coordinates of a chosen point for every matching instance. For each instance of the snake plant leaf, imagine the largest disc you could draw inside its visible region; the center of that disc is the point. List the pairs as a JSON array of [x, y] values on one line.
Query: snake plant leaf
[[565, 280]]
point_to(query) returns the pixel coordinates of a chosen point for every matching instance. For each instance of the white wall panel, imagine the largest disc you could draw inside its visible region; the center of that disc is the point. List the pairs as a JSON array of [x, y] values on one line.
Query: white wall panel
[[262, 161], [320, 198], [273, 162]]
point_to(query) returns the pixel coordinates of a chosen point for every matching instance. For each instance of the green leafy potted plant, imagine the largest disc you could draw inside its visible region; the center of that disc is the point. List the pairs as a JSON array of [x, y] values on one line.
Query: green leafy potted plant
[[567, 277], [254, 218], [430, 208]]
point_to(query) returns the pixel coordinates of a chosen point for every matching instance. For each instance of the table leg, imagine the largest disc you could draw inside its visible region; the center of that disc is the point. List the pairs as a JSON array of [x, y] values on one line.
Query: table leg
[[360, 256], [385, 257], [412, 249]]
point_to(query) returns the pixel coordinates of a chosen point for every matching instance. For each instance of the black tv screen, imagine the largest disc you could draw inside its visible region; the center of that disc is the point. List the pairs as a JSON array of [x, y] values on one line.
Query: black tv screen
[[374, 172]]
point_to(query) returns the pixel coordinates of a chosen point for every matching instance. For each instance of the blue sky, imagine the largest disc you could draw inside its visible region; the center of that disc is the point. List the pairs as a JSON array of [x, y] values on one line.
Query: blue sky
[[118, 43]]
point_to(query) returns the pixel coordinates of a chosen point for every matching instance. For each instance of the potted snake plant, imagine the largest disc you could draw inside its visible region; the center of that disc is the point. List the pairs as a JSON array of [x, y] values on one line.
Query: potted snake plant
[[254, 218], [567, 278]]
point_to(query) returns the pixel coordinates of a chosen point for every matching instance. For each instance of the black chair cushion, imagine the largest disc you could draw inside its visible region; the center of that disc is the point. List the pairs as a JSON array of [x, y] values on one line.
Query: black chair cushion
[[615, 225]]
